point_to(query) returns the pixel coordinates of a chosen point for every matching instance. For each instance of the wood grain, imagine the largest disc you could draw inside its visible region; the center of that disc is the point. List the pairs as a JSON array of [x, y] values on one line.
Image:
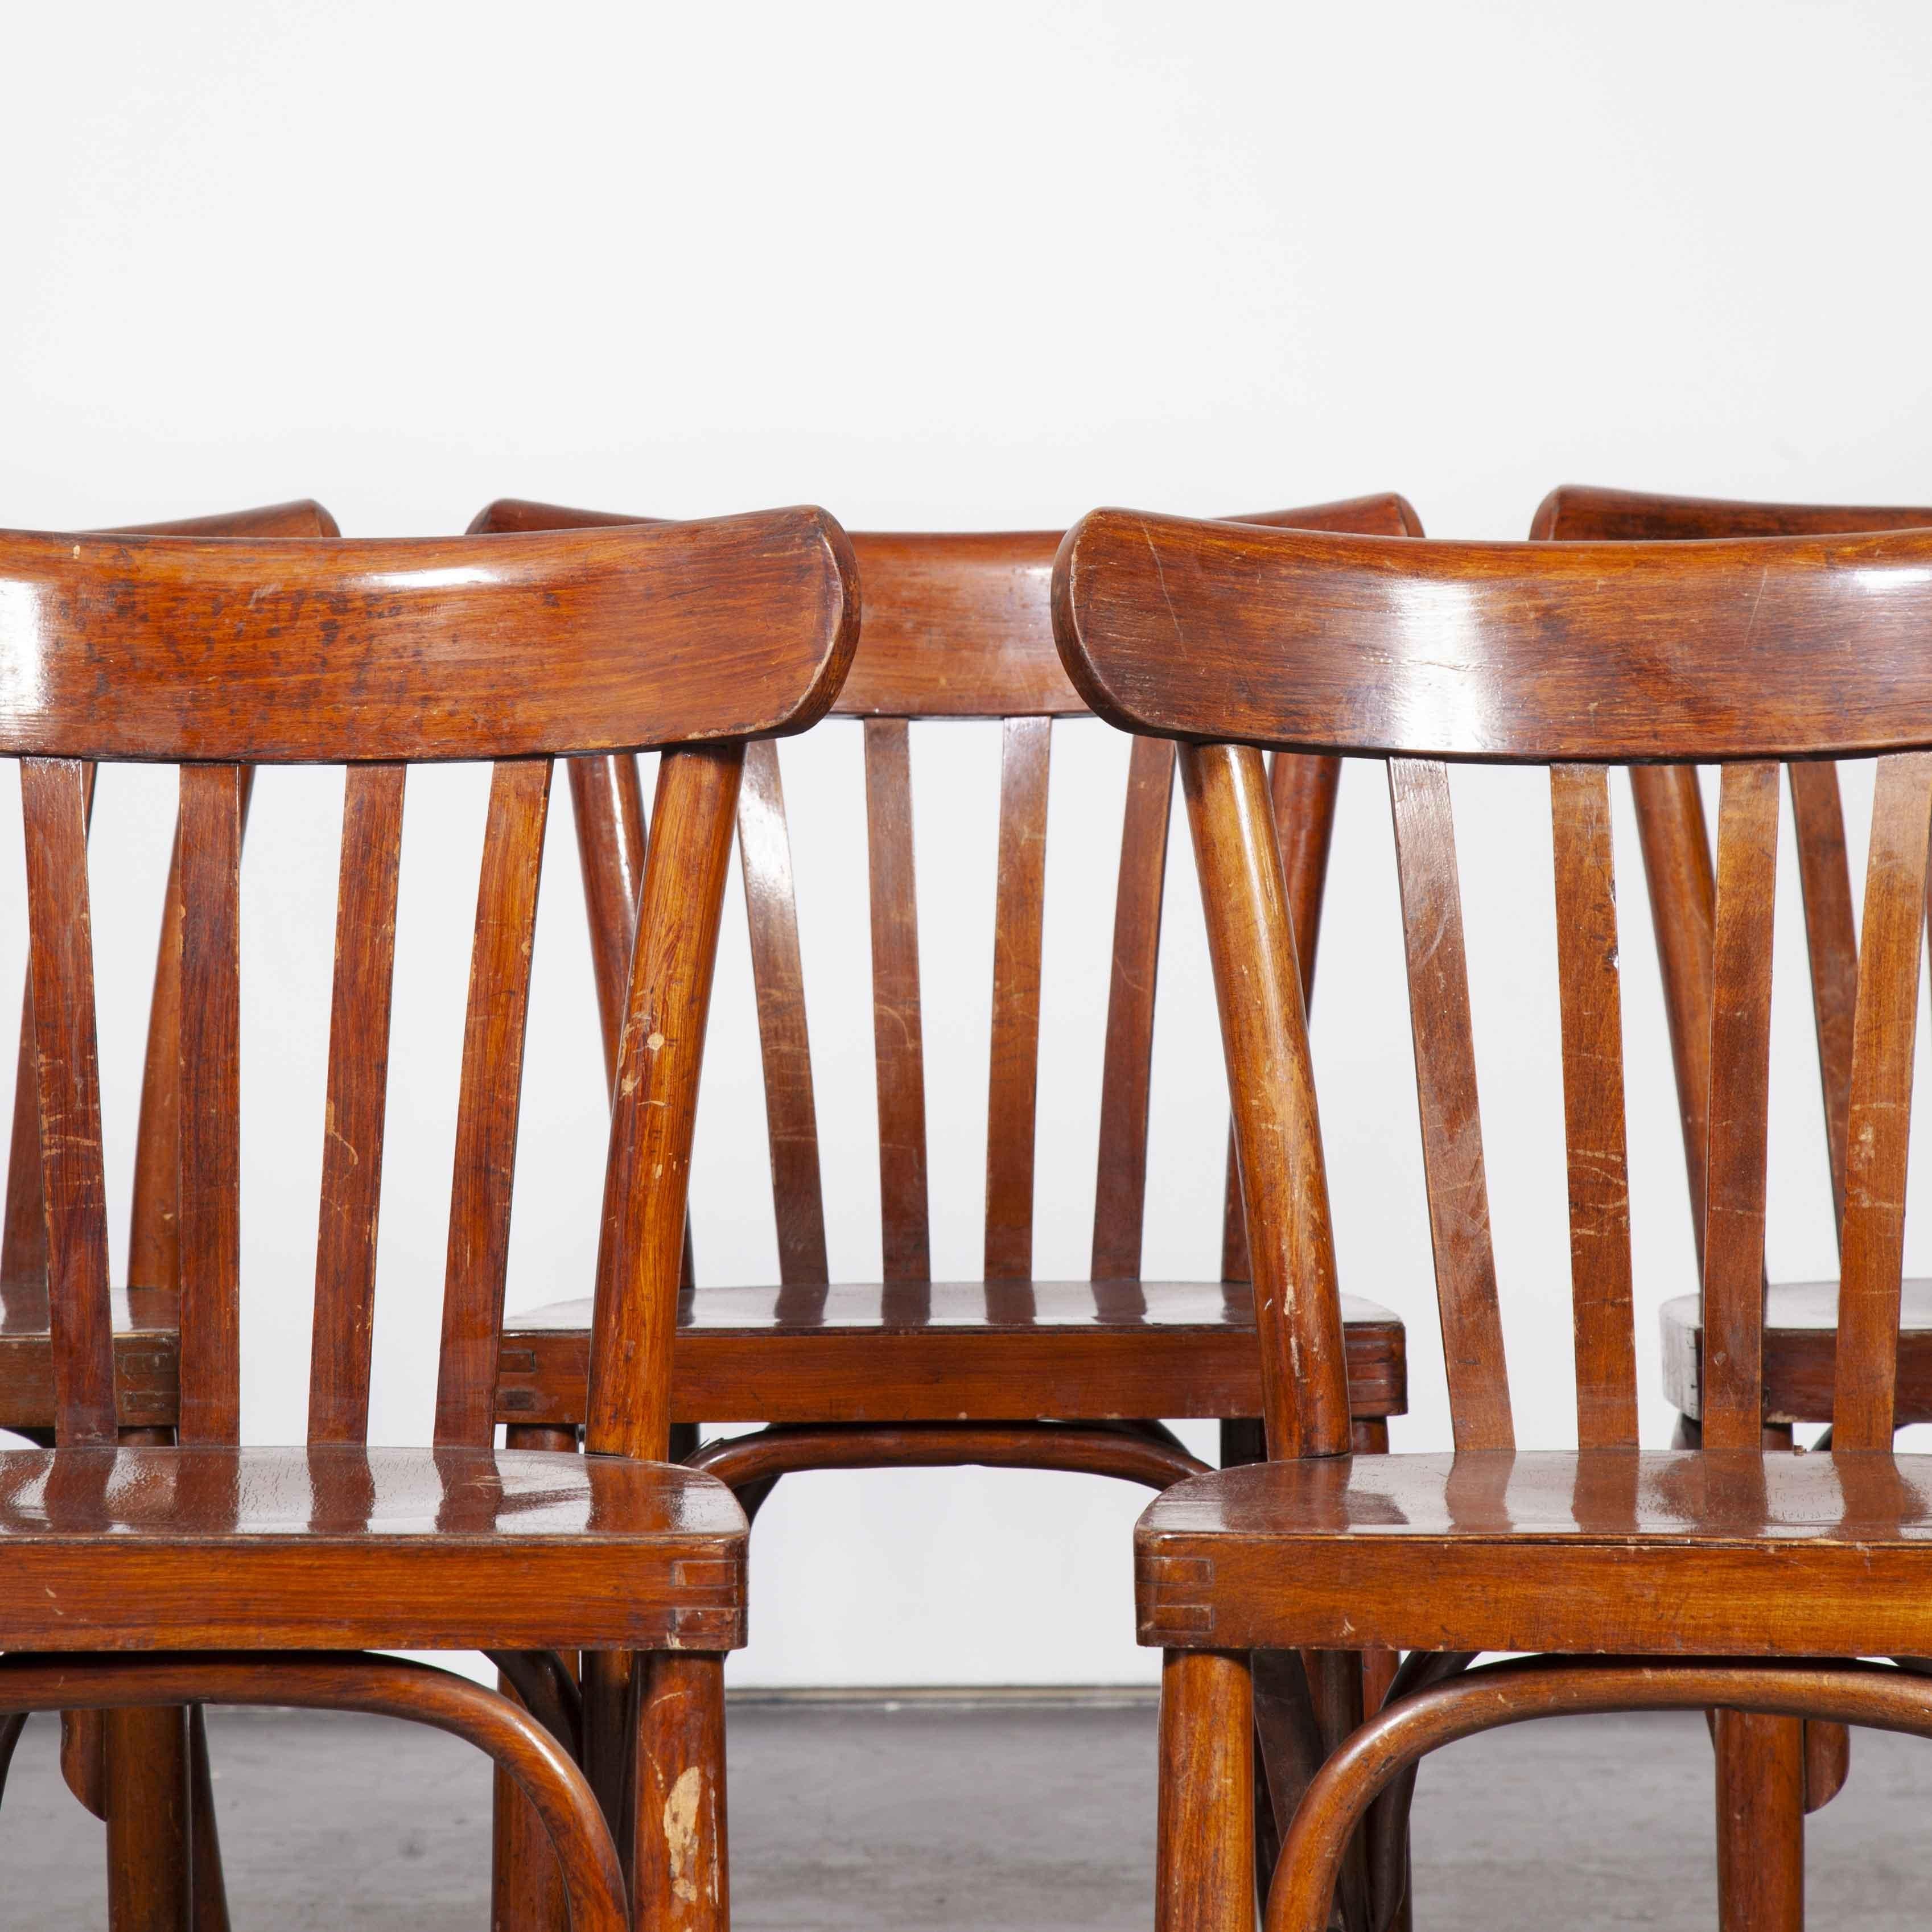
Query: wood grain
[[1445, 1082], [1257, 990], [1019, 922], [1740, 1094], [400, 650], [1880, 1117], [1683, 886], [60, 970], [1119, 1194], [490, 1101], [656, 1102], [897, 1033], [1593, 1105], [1540, 652], [778, 973], [1831, 943], [358, 1081]]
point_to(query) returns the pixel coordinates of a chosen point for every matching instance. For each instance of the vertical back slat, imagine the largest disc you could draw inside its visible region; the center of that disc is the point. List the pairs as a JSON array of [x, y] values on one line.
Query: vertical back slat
[[23, 1233], [778, 975], [662, 1046], [67, 1084], [210, 1032], [1304, 788], [1452, 1128], [1593, 1107], [490, 1098], [1013, 1077], [153, 1231], [1740, 1062], [1257, 988], [1676, 846], [1119, 1192], [607, 803], [1879, 1113], [897, 1039], [607, 800], [1831, 941], [358, 1076]]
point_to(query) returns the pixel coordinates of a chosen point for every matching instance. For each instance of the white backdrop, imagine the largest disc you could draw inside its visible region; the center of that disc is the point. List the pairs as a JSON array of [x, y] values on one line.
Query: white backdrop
[[967, 268]]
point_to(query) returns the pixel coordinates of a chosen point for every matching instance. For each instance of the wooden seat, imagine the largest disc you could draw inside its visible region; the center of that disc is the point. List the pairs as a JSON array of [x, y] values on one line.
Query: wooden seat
[[147, 1358], [336, 1546], [907, 1352], [251, 1574], [1402, 1551], [1801, 1345], [1686, 1580], [954, 626]]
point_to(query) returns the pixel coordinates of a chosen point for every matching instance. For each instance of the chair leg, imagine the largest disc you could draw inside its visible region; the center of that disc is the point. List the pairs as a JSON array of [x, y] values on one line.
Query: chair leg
[[1760, 1823], [1205, 1875], [149, 1864], [210, 1888], [526, 1885], [680, 1873]]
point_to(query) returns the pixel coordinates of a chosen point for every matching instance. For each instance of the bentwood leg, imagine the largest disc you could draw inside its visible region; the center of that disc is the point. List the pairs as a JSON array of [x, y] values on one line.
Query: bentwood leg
[[680, 1876], [147, 1786], [1204, 1871], [1760, 1823]]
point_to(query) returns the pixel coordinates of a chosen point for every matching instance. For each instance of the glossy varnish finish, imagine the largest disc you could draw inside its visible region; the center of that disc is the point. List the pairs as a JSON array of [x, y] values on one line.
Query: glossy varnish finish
[[956, 627], [905, 1370], [335, 1547], [1571, 655]]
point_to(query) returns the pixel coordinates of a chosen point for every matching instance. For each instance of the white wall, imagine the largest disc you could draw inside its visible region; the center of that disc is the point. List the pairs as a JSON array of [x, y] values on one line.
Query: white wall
[[947, 267]]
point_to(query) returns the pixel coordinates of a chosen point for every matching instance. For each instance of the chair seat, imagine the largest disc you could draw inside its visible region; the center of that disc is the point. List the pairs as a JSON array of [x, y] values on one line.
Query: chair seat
[[338, 1548], [1674, 1552], [146, 1382], [1801, 1324], [1073, 1351]]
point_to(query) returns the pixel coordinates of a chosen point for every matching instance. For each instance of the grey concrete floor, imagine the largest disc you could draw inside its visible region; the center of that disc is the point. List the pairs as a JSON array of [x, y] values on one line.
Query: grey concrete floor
[[1013, 1814]]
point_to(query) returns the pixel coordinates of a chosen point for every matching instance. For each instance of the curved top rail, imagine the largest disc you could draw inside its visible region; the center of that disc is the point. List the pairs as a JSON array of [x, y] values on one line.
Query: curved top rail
[[1636, 516], [1538, 652], [303, 518], [177, 649], [959, 624]]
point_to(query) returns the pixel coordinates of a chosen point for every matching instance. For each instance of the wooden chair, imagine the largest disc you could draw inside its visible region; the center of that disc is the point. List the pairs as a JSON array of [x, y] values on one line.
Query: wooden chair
[[1715, 1577], [155, 1577], [907, 1371], [1800, 1318], [144, 1335]]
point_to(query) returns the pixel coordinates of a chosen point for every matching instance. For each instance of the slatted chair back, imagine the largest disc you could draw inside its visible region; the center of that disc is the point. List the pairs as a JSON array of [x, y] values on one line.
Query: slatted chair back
[[1745, 654], [153, 1260], [1675, 839], [218, 656], [956, 626]]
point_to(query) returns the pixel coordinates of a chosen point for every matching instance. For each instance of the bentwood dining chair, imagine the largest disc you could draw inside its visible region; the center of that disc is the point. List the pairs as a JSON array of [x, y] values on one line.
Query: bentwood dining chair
[[162, 1577], [1723, 1577], [118, 1785], [906, 1371], [1783, 1777]]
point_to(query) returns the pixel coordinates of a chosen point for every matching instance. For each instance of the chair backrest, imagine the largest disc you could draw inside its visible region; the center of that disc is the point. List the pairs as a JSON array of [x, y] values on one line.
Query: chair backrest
[[154, 1250], [959, 626], [1578, 656], [1675, 840], [217, 655]]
